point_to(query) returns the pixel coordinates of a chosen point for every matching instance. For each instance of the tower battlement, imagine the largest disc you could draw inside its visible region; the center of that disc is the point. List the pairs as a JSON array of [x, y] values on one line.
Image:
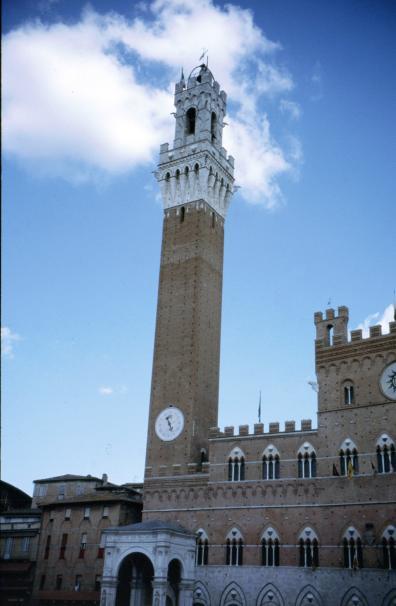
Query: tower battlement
[[332, 329]]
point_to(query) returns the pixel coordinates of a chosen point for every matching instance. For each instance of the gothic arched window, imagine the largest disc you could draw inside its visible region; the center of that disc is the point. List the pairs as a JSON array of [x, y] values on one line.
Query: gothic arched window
[[306, 461], [191, 115], [388, 548], [386, 455], [234, 548], [349, 393], [236, 466], [308, 547], [271, 463], [213, 126], [270, 548], [202, 548], [352, 549], [349, 458]]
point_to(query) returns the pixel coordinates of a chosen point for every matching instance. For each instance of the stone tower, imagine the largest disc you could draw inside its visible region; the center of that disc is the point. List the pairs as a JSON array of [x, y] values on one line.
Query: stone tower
[[196, 181]]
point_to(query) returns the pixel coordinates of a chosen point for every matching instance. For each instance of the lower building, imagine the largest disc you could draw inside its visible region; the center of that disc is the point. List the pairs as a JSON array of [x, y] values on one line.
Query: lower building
[[19, 531], [75, 512]]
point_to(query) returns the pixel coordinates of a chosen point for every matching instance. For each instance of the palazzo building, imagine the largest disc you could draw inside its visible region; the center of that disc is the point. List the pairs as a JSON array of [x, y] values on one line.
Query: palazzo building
[[251, 516]]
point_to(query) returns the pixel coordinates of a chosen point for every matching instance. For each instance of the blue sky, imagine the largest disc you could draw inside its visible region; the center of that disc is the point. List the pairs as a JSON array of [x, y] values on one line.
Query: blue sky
[[87, 96]]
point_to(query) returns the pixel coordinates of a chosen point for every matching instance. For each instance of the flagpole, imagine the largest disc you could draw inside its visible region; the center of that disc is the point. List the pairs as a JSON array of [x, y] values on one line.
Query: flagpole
[[259, 409]]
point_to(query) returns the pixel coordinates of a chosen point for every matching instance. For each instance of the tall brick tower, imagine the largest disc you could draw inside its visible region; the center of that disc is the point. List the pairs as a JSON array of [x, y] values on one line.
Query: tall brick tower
[[196, 180]]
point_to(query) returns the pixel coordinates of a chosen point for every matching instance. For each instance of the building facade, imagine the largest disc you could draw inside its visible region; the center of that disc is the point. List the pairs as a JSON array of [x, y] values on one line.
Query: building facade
[[263, 515], [75, 512], [19, 532]]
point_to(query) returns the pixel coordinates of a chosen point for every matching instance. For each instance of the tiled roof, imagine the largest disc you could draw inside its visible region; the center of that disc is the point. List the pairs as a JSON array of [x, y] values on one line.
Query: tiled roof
[[69, 477]]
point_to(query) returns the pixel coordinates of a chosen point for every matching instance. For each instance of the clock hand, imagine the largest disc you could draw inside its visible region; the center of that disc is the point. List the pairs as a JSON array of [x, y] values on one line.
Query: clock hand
[[169, 423]]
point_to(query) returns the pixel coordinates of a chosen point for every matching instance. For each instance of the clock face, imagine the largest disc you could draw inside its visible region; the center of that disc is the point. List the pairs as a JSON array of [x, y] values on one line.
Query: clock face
[[388, 381], [169, 424]]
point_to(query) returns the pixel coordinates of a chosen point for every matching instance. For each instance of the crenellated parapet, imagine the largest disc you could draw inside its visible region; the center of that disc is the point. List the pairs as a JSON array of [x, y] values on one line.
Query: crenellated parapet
[[259, 429], [197, 167], [332, 333]]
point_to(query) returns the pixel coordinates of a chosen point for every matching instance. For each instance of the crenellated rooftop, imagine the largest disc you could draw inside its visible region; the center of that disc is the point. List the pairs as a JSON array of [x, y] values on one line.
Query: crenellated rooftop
[[259, 430]]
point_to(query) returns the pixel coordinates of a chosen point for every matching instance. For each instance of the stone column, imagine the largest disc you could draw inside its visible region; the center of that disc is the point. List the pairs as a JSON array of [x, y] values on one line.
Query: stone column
[[108, 591], [160, 586], [186, 592]]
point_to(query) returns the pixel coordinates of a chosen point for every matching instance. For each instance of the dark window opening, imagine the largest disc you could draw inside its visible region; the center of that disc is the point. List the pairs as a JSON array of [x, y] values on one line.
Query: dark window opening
[[389, 553], [190, 121], [213, 220], [58, 583], [42, 581], [330, 334], [202, 552], [62, 550], [47, 547], [213, 126], [182, 213]]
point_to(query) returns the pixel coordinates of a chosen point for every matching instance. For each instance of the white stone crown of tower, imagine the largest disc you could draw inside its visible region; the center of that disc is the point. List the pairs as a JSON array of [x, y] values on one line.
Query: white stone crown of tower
[[197, 168]]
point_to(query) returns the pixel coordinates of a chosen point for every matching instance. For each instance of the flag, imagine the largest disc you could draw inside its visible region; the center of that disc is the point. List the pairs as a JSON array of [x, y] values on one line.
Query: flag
[[350, 470], [259, 409], [335, 470]]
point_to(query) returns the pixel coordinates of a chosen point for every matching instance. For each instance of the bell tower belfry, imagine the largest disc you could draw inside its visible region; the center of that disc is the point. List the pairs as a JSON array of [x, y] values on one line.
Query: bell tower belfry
[[196, 181]]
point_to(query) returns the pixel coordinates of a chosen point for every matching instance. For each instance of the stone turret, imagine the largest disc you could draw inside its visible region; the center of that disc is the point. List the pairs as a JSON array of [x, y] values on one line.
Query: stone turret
[[197, 167]]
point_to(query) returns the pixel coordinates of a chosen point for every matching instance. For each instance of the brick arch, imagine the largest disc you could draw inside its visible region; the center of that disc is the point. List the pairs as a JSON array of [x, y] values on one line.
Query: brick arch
[[309, 596], [270, 596], [348, 598]]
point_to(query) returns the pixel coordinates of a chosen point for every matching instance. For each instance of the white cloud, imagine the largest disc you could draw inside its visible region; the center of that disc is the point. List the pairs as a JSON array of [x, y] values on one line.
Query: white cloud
[[8, 339], [106, 391], [89, 97], [290, 108], [378, 318]]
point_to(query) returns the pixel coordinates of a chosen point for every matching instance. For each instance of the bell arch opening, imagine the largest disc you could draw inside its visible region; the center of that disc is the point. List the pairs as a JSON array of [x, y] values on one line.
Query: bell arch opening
[[135, 577]]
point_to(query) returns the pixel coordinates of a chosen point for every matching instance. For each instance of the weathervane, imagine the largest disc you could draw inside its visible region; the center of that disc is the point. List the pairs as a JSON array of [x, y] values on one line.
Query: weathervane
[[202, 57]]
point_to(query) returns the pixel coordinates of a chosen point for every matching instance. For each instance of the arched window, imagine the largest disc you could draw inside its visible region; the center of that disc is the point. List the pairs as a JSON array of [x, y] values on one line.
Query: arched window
[[386, 455], [306, 461], [330, 334], [167, 177], [202, 548], [271, 463], [308, 547], [349, 458], [213, 126], [349, 393], [352, 549], [270, 548], [190, 121], [236, 465], [182, 214], [196, 168], [234, 548], [388, 548]]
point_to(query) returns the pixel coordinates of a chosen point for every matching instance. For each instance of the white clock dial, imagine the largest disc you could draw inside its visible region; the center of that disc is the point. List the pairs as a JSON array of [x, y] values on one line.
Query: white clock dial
[[388, 381], [169, 423]]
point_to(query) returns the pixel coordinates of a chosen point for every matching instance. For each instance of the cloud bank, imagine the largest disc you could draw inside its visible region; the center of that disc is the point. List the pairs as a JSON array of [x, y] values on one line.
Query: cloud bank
[[94, 96], [8, 340]]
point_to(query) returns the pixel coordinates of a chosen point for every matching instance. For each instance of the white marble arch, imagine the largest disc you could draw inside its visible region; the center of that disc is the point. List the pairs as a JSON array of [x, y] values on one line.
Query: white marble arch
[[390, 598], [201, 595], [233, 596], [354, 597], [309, 596], [161, 542], [270, 596]]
